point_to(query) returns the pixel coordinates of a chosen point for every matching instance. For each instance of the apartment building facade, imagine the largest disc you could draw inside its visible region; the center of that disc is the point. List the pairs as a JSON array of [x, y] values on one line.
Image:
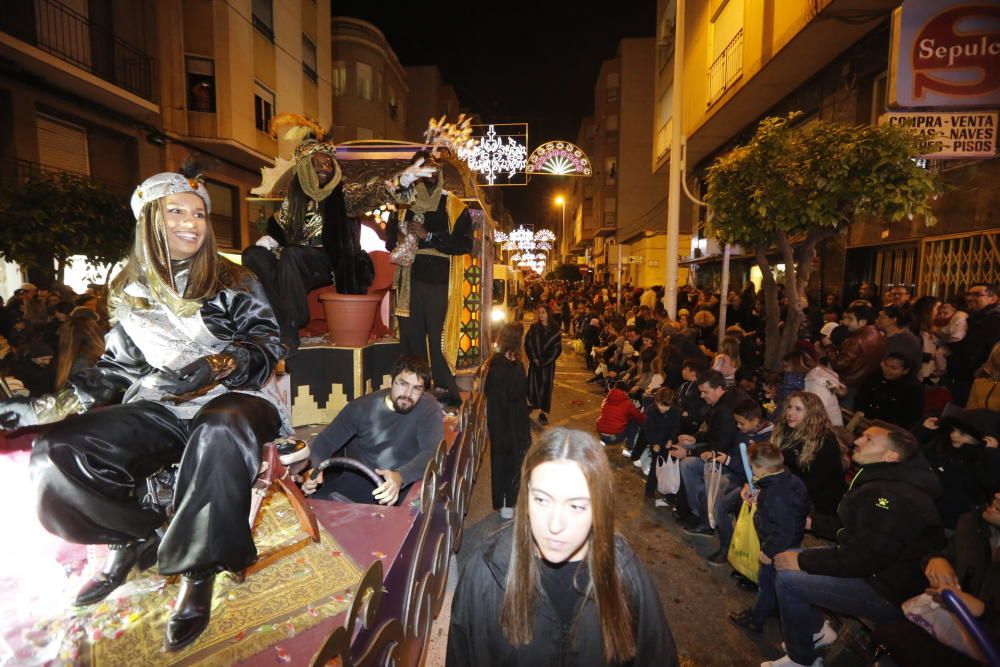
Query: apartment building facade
[[744, 61], [116, 91], [370, 88]]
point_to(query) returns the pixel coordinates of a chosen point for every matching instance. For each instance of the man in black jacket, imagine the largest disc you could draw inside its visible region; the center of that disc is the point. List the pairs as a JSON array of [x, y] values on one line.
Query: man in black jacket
[[716, 440], [968, 354], [889, 523]]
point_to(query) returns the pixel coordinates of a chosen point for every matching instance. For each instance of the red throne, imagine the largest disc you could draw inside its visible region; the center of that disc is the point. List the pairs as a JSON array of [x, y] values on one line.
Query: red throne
[[384, 272]]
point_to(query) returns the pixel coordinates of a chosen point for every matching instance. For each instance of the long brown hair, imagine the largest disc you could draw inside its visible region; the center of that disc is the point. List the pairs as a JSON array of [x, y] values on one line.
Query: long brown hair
[[150, 241], [80, 335], [810, 432], [605, 585]]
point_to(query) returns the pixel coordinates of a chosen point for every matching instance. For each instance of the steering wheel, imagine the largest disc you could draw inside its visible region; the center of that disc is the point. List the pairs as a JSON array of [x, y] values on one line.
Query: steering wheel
[[350, 464]]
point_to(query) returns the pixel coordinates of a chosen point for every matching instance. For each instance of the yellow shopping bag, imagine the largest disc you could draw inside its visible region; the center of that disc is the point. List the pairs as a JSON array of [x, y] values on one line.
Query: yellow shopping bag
[[745, 547]]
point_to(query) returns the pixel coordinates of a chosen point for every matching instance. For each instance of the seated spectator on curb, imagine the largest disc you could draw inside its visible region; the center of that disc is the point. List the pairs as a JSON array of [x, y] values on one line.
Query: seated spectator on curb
[[859, 355], [659, 431], [782, 505], [826, 385], [890, 524], [962, 450], [754, 428], [982, 333], [894, 396], [619, 420], [985, 392], [727, 361], [689, 401], [715, 440], [894, 323], [812, 452], [970, 567]]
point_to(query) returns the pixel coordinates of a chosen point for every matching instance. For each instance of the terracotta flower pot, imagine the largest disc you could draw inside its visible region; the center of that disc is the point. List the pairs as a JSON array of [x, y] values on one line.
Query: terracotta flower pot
[[349, 317]]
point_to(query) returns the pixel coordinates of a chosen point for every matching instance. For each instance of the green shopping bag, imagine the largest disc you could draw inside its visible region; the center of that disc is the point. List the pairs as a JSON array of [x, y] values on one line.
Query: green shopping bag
[[744, 550]]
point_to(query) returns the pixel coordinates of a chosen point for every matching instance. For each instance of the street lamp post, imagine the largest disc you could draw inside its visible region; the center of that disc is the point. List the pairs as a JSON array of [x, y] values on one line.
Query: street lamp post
[[561, 201]]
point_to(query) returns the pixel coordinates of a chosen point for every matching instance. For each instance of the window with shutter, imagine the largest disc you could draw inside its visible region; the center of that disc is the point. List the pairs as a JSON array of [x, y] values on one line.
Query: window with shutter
[[62, 146]]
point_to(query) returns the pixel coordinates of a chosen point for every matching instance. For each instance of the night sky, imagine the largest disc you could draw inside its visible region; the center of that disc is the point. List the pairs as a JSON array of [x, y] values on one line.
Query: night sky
[[533, 62]]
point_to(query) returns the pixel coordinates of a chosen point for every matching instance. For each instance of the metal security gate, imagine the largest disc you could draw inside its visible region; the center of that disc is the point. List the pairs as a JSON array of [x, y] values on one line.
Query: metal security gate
[[895, 265], [948, 265]]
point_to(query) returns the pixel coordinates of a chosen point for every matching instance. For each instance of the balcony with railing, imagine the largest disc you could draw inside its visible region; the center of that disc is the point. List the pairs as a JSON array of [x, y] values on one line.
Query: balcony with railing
[[726, 69], [74, 38]]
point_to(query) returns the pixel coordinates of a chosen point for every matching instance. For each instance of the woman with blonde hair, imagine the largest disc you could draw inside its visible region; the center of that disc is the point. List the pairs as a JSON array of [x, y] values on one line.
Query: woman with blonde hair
[[812, 452], [81, 344], [559, 582], [181, 381], [985, 393]]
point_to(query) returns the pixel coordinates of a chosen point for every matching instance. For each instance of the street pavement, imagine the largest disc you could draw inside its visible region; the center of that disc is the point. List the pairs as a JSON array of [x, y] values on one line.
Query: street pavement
[[696, 596]]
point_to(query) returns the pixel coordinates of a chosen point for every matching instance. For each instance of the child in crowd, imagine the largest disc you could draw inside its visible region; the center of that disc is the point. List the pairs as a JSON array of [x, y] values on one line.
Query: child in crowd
[[782, 507], [691, 405], [895, 395], [619, 419], [659, 431], [754, 427]]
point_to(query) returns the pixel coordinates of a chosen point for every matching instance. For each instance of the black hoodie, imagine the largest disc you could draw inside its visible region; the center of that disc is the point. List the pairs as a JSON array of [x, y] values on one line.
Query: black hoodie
[[476, 639], [890, 523]]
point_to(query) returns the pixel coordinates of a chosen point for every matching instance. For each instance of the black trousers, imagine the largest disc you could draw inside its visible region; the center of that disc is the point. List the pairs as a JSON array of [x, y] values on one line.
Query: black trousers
[[90, 474], [422, 331], [288, 280]]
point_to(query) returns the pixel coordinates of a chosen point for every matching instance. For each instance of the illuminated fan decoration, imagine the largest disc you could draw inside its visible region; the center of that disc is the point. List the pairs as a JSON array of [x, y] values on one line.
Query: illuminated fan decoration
[[499, 236], [559, 158], [545, 235]]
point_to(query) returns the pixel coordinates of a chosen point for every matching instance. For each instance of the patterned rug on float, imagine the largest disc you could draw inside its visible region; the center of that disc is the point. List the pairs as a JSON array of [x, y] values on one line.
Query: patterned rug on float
[[268, 608]]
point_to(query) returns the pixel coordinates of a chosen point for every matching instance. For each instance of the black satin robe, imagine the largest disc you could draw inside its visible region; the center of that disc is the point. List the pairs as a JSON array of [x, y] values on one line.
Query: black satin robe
[[90, 470], [543, 345]]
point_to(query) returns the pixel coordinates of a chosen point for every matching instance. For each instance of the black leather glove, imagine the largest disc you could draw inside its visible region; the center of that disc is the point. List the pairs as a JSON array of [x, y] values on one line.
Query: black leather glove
[[17, 413], [200, 372]]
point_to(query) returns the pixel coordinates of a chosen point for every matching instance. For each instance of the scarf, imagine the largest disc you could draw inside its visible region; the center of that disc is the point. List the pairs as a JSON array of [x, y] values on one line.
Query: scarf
[[425, 199], [310, 181]]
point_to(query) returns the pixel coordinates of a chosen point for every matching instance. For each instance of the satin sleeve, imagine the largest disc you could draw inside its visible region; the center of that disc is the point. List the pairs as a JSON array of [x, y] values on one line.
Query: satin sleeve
[[243, 317], [121, 366]]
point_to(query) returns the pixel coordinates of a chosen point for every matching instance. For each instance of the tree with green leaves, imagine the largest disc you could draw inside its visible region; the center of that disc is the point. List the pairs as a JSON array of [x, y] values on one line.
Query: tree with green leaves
[[811, 182], [46, 218]]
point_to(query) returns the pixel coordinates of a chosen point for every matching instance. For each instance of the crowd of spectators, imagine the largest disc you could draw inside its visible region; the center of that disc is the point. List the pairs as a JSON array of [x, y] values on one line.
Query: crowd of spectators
[[48, 334], [885, 416]]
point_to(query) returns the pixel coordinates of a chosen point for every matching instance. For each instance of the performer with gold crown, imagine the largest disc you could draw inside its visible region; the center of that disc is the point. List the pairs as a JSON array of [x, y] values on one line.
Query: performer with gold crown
[[184, 378], [429, 275], [314, 239]]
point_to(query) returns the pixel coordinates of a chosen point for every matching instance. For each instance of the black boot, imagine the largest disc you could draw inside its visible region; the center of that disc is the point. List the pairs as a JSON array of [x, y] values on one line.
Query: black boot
[[192, 610], [121, 560]]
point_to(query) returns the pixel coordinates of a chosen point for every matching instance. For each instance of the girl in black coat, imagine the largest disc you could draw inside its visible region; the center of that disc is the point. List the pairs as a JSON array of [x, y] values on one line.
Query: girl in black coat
[[558, 586], [543, 346], [507, 417]]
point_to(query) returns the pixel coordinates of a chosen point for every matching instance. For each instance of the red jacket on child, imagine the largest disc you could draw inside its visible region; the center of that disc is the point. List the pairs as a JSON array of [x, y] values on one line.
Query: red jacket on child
[[617, 410]]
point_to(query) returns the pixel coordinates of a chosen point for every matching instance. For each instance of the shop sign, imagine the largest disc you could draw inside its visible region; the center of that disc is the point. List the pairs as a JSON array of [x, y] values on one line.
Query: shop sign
[[944, 54], [956, 135]]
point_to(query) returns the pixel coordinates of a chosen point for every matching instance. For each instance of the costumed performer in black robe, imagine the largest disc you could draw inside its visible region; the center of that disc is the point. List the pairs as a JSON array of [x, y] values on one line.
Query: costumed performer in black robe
[[314, 239], [436, 229], [543, 346], [184, 377], [507, 419]]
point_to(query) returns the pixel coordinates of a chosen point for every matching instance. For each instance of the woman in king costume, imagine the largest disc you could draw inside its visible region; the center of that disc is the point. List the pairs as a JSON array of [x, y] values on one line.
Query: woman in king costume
[[194, 343]]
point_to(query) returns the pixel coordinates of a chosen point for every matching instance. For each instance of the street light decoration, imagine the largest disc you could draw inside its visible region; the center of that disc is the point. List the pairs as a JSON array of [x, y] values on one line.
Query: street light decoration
[[559, 158], [491, 156], [545, 235], [499, 236]]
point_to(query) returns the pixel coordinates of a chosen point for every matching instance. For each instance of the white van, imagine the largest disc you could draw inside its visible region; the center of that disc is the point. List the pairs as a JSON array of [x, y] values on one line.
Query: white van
[[507, 293]]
